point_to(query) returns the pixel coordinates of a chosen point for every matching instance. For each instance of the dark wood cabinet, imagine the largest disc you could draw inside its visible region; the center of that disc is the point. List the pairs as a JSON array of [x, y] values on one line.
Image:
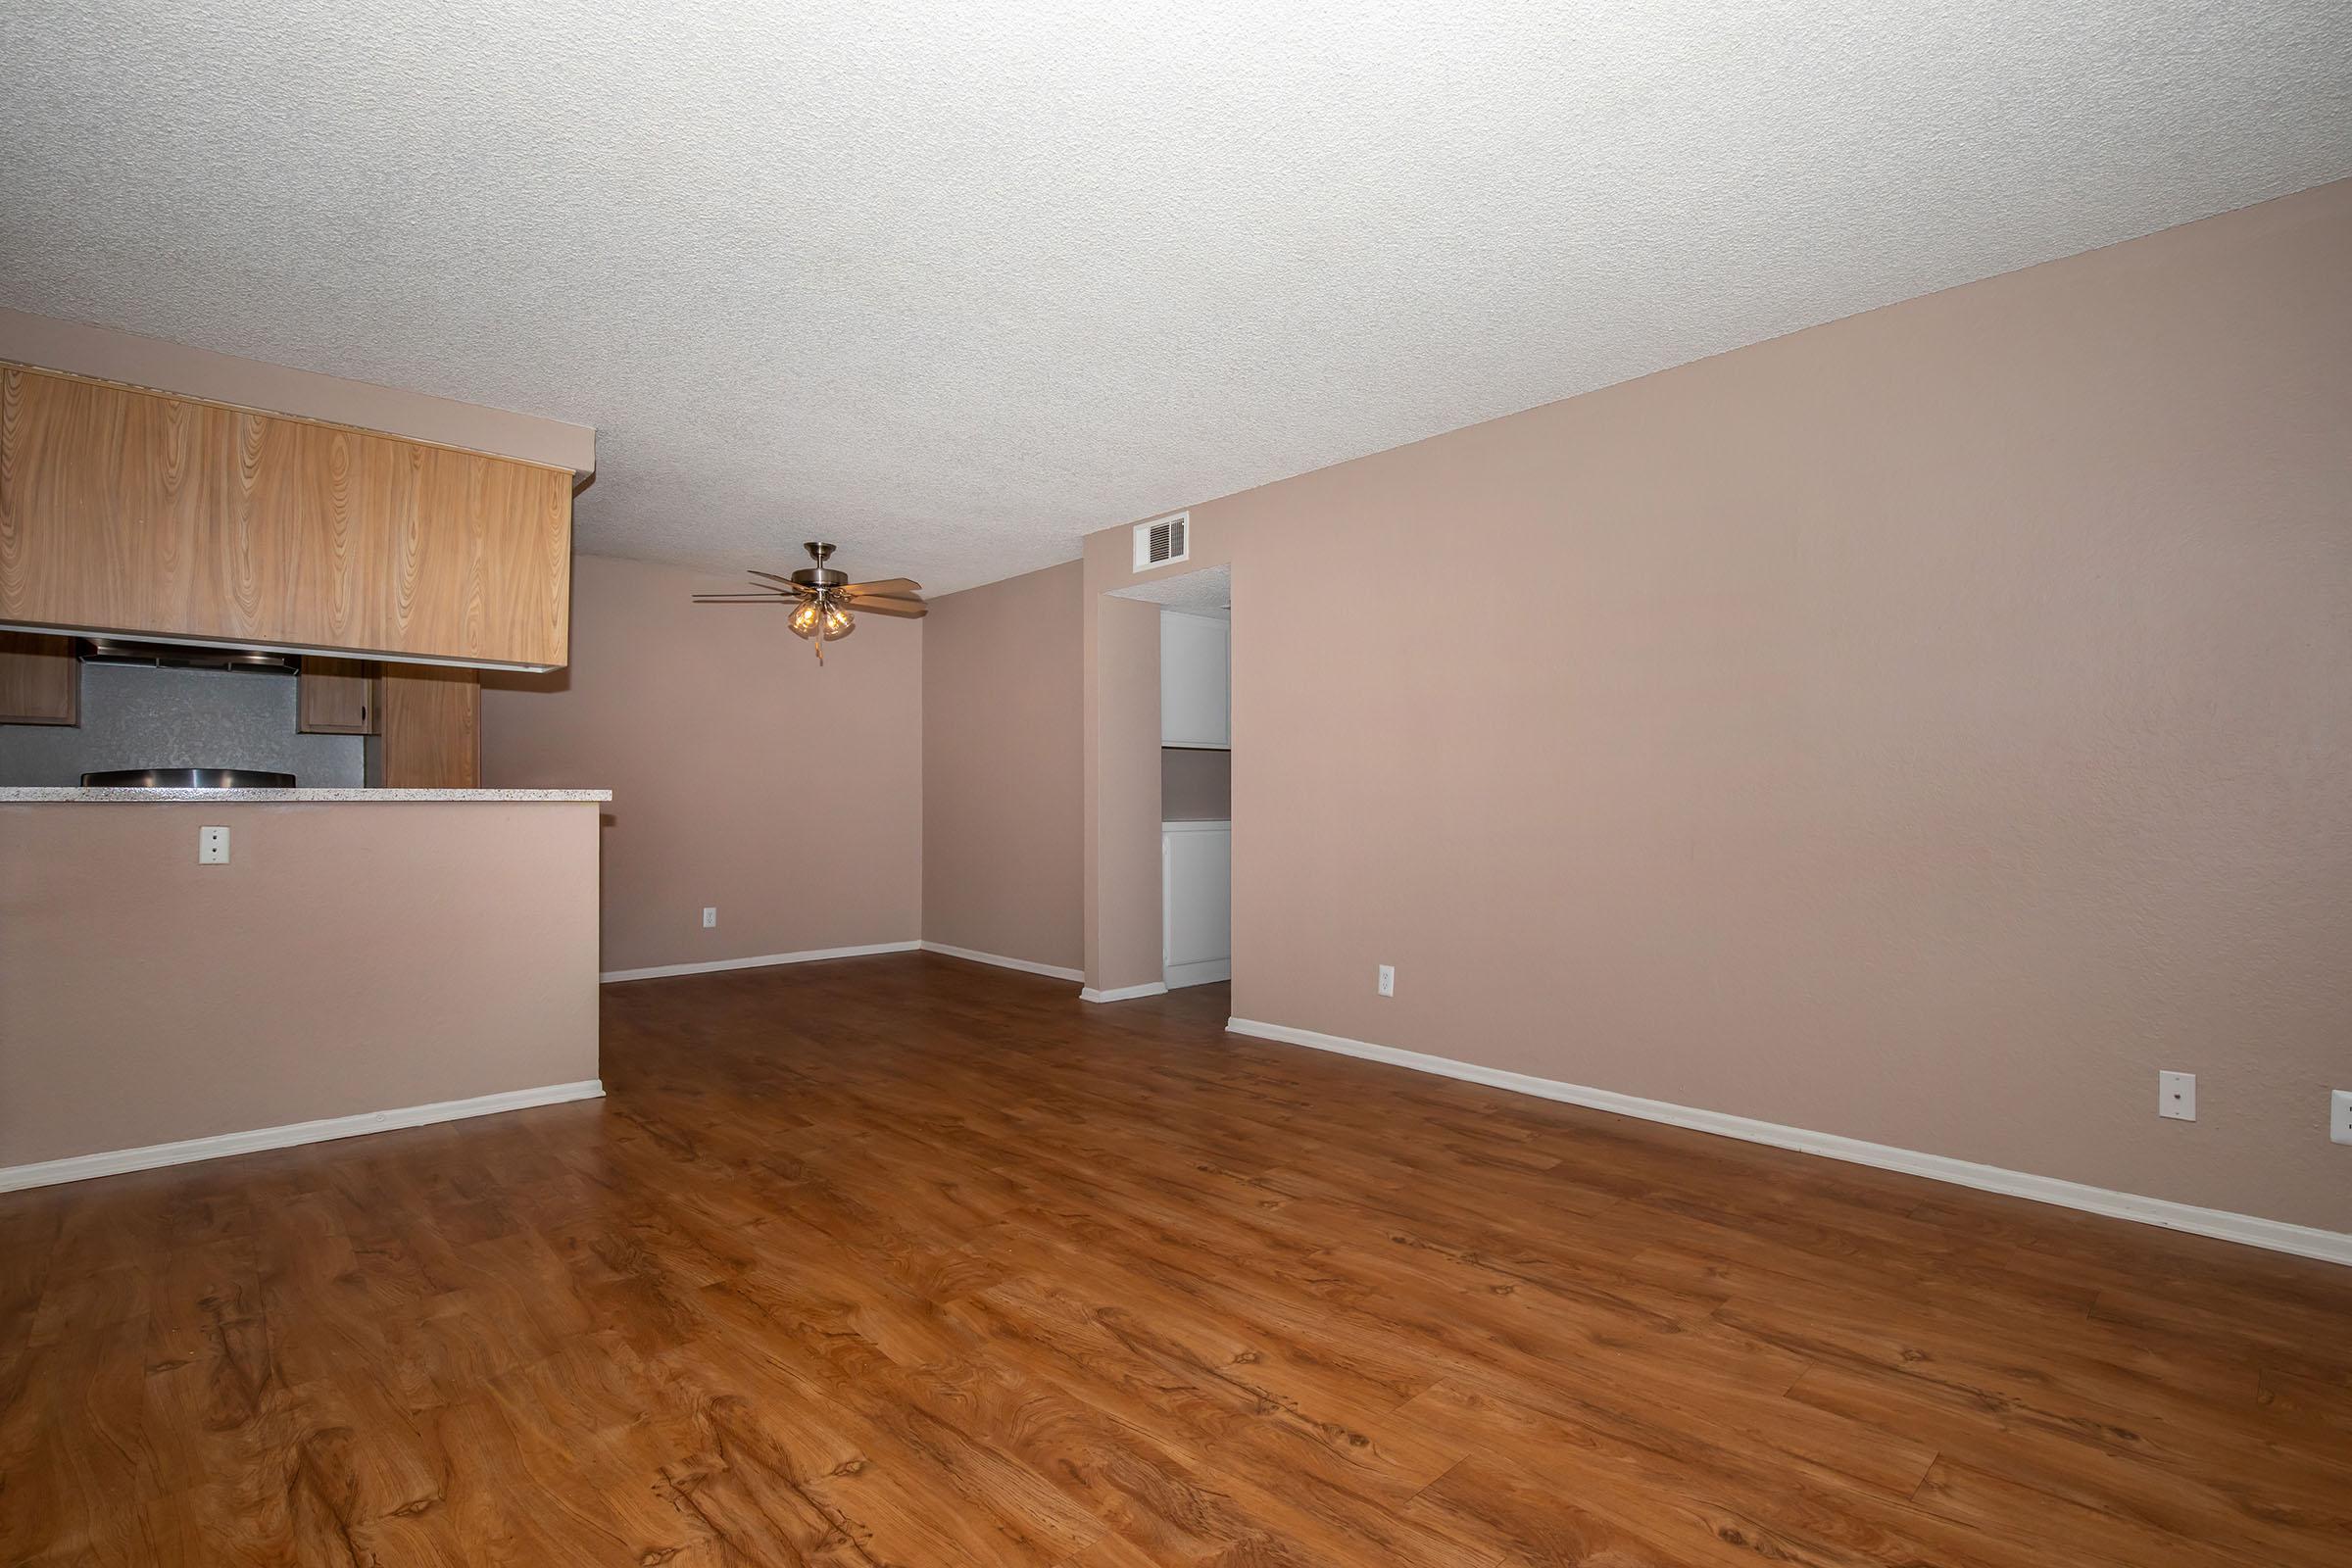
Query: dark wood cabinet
[[337, 697], [40, 679]]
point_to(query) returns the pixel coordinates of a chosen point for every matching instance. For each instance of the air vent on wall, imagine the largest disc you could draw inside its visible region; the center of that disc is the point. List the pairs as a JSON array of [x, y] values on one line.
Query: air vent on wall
[[1162, 543]]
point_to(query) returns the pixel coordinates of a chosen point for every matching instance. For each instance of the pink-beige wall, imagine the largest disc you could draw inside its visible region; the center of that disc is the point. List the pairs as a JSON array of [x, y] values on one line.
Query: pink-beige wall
[[1121, 741], [1195, 784], [348, 959], [744, 776], [1003, 782], [1921, 728], [111, 355]]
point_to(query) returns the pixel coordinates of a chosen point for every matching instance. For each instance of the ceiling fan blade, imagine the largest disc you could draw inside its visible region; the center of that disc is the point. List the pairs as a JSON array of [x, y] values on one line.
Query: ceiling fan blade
[[903, 608], [741, 599], [895, 587], [785, 584]]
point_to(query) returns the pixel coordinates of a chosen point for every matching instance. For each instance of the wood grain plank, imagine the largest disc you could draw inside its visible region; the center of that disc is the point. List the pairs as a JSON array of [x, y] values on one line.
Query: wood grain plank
[[138, 513], [428, 731], [903, 1260], [40, 679]]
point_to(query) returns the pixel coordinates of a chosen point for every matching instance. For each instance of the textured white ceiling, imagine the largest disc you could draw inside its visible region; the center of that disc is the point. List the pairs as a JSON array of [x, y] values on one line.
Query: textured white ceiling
[[953, 284], [1206, 591]]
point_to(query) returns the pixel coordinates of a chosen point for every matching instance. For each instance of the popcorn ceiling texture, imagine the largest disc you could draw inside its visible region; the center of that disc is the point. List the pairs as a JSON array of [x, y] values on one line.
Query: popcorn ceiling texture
[[954, 285], [1206, 591]]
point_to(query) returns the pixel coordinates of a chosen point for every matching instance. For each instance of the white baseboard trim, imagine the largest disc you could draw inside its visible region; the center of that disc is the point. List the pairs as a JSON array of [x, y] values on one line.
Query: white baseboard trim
[[1156, 988], [2278, 1236], [665, 970], [115, 1162], [1051, 971], [1180, 975]]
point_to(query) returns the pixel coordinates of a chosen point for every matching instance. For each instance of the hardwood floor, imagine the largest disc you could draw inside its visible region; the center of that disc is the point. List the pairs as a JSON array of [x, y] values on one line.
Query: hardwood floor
[[977, 1274]]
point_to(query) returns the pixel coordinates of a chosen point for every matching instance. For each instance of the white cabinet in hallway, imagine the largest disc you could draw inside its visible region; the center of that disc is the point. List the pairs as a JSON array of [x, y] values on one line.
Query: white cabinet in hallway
[[1196, 889], [1196, 656]]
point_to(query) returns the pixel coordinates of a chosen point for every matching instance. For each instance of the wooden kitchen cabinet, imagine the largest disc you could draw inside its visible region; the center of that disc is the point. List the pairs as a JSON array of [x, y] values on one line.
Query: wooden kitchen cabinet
[[146, 514], [40, 679], [336, 697], [430, 730]]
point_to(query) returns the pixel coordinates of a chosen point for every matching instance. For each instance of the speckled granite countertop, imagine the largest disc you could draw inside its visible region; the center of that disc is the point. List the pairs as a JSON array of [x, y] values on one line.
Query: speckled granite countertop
[[283, 796]]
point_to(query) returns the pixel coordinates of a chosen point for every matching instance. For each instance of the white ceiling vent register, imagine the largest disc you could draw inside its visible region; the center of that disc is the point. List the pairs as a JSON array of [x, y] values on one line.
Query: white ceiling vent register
[[1164, 543]]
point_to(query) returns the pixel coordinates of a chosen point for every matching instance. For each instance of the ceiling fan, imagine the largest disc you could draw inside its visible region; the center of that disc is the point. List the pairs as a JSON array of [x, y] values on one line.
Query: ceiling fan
[[824, 600]]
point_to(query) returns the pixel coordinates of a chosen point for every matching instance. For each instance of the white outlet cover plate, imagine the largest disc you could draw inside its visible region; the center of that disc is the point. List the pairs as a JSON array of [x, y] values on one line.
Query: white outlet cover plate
[[1386, 980], [2177, 1096], [2339, 1116], [211, 846]]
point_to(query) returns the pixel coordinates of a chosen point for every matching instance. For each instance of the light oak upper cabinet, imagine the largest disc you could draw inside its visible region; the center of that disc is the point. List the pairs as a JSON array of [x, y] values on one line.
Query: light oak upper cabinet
[[337, 697], [147, 514], [41, 681], [1195, 658]]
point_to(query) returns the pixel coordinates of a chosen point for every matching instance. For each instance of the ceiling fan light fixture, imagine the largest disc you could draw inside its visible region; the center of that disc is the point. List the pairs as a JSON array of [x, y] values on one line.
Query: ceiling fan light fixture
[[822, 619], [826, 615], [821, 599]]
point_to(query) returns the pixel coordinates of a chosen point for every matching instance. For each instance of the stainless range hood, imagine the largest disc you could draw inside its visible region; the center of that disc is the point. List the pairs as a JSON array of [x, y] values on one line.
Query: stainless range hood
[[187, 655]]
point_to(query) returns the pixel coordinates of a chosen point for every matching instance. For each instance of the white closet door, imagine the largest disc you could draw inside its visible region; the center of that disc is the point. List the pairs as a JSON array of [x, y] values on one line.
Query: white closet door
[[1195, 654], [1196, 901]]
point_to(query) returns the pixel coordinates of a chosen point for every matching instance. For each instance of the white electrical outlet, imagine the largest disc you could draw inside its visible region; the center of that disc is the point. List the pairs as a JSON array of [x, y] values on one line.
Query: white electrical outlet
[[2177, 1096], [2339, 1116], [211, 846], [1388, 979], [711, 917]]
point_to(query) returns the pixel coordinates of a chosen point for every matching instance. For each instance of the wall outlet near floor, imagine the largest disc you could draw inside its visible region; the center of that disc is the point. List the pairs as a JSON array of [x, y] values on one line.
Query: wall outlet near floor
[[2339, 1116], [211, 846], [2177, 1096], [709, 916], [1388, 980]]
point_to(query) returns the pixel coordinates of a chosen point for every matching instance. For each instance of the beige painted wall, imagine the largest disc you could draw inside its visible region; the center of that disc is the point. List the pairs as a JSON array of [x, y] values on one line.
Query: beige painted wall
[[149, 362], [1003, 782], [1921, 728], [743, 775], [1121, 741], [1195, 785], [348, 959]]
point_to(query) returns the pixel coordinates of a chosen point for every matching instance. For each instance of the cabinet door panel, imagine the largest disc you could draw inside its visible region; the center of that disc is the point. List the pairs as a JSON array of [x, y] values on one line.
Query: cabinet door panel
[[145, 515], [169, 452], [41, 681], [255, 558], [328, 573], [430, 735], [336, 697], [1200, 896], [1192, 699]]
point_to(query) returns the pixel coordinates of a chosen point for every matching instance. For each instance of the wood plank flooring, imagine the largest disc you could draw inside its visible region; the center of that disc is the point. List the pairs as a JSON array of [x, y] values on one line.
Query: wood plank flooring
[[903, 1260]]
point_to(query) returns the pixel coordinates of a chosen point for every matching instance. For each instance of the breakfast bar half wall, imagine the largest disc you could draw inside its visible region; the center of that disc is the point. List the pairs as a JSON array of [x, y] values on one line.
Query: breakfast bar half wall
[[360, 960]]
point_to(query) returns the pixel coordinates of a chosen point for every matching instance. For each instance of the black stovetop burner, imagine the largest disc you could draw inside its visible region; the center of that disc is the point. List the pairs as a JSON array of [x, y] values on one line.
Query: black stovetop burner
[[187, 778]]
